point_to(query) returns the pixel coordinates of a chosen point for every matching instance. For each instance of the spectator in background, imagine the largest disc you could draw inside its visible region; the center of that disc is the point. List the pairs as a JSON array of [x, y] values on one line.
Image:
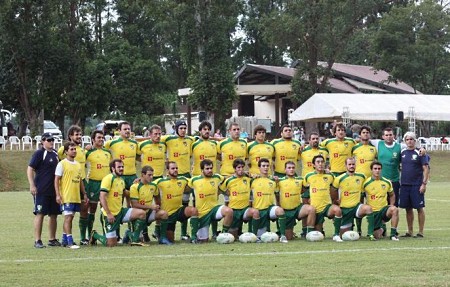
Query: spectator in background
[[218, 134]]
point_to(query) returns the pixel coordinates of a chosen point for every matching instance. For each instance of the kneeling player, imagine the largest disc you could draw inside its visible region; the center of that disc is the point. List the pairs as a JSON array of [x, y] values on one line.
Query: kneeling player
[[206, 190], [318, 184], [237, 197], [376, 189], [263, 195], [112, 192]]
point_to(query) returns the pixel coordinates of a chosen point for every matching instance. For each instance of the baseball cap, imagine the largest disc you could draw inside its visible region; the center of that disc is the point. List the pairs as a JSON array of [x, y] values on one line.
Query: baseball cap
[[46, 136]]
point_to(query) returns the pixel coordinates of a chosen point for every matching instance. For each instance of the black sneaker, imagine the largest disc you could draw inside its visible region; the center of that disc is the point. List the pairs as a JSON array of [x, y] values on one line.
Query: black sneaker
[[54, 243], [38, 244], [84, 242], [145, 237]]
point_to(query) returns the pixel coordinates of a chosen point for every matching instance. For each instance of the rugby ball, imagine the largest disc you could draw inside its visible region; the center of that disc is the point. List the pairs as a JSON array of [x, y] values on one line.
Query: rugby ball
[[225, 238], [350, 235], [248, 237], [314, 236], [268, 237]]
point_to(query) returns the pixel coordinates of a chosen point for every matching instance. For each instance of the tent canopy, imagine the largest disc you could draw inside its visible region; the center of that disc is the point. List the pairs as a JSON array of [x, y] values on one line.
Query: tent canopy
[[373, 107]]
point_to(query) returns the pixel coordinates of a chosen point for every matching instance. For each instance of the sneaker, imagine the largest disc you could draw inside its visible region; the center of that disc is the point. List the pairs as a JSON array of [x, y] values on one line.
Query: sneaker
[[372, 238], [126, 237], [39, 244], [54, 243], [73, 246], [195, 241], [214, 236], [394, 238], [92, 240], [302, 234], [337, 238], [165, 241], [84, 242], [185, 237], [258, 240], [283, 239], [145, 237]]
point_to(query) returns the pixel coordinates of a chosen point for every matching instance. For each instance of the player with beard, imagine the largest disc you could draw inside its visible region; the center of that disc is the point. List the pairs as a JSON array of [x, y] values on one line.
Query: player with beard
[[286, 149], [258, 149], [153, 152], [364, 152], [206, 192], [204, 148], [74, 135], [230, 149], [170, 198]]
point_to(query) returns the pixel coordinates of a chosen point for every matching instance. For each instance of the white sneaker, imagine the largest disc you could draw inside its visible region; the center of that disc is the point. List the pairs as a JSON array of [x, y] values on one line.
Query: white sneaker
[[283, 239], [394, 238], [73, 246], [337, 238]]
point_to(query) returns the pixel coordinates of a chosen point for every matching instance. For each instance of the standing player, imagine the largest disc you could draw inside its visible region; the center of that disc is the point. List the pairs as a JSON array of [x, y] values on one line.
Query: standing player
[[237, 191], [349, 187], [339, 149], [310, 151], [204, 148], [68, 189], [141, 196], [364, 152], [153, 152], [414, 179], [286, 149], [74, 135], [290, 189], [97, 161], [263, 194], [171, 190], [258, 149], [319, 183], [377, 189], [230, 149], [206, 192], [41, 177], [112, 192]]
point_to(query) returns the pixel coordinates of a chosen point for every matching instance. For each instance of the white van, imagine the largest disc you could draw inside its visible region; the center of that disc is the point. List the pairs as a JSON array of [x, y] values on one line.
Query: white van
[[49, 127]]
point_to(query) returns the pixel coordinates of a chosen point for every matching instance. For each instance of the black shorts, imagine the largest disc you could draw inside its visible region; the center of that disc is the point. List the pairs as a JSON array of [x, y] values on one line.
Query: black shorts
[[46, 205]]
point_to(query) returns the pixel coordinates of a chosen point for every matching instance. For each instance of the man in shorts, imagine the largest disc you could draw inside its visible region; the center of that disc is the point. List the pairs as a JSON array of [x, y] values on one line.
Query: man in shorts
[[206, 192]]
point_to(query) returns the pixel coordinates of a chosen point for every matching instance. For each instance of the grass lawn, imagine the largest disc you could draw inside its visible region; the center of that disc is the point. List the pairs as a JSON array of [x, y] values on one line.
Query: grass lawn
[[411, 261]]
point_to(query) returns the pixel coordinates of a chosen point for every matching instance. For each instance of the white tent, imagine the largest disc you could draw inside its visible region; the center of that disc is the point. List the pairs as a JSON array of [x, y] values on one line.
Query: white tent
[[373, 107]]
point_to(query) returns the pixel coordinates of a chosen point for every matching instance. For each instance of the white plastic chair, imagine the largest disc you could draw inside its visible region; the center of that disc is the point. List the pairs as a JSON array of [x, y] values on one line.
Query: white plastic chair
[[2, 142], [37, 139], [107, 138], [13, 140], [58, 142], [85, 140], [27, 140]]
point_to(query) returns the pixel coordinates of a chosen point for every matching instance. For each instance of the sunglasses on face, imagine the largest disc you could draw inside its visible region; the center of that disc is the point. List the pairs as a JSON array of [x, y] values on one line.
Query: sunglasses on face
[[50, 140]]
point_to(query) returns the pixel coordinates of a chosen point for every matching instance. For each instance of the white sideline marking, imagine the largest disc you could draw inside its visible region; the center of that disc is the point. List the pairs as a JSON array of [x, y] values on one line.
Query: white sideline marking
[[163, 256], [440, 200]]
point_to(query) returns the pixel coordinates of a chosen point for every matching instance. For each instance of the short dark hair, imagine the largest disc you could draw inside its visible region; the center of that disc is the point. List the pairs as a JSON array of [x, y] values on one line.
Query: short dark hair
[[204, 124], [205, 162], [94, 133], [388, 129], [313, 134], [285, 126], [367, 128], [338, 125], [263, 160], [259, 128], [169, 163], [374, 163], [112, 164], [238, 162], [122, 124], [67, 145], [146, 168], [316, 157], [72, 130]]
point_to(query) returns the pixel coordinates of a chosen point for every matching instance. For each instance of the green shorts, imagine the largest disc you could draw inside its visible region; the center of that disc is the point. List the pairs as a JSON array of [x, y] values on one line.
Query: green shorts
[[380, 217], [238, 217], [349, 214], [93, 190], [129, 180], [176, 216], [320, 217], [292, 216], [119, 218], [206, 219], [264, 215], [305, 194]]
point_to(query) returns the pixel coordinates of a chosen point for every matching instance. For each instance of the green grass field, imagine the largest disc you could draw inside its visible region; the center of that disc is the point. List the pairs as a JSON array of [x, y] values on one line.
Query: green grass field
[[411, 261]]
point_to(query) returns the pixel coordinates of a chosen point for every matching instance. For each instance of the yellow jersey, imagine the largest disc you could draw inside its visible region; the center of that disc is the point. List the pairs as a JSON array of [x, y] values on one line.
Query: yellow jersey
[[229, 151], [170, 192], [203, 149], [206, 192], [80, 158], [377, 191], [97, 162], [319, 189], [307, 156], [350, 188], [263, 192], [339, 151], [257, 151], [179, 150], [238, 191], [290, 189], [285, 150], [126, 150], [143, 193], [69, 184], [364, 154], [114, 186], [154, 155]]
